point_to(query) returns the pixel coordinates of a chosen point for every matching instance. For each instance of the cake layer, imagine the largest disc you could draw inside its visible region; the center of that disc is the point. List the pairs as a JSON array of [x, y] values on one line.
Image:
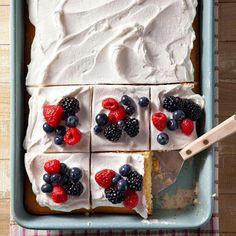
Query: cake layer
[[34, 164], [111, 41]]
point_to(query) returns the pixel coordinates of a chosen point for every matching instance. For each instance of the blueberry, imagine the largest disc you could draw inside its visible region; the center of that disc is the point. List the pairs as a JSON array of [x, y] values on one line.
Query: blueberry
[[55, 178], [60, 130], [121, 124], [178, 115], [75, 174], [97, 129], [72, 121], [116, 178], [46, 178], [125, 99], [143, 102], [59, 140], [64, 115], [47, 128], [172, 124], [163, 138], [130, 110], [101, 119], [125, 170], [64, 179], [122, 185], [46, 188], [63, 168]]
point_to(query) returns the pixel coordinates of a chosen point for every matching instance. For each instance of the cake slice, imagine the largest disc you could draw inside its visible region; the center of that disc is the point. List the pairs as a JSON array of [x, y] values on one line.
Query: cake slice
[[121, 183], [60, 182]]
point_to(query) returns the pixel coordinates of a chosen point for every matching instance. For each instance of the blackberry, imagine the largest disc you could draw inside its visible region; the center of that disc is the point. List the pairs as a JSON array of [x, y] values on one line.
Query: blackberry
[[113, 195], [131, 126], [74, 189], [135, 181], [70, 106], [112, 132], [192, 110], [172, 103]]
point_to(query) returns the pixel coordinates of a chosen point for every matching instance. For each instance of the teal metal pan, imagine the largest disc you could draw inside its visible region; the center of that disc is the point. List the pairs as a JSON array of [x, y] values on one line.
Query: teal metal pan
[[202, 169]]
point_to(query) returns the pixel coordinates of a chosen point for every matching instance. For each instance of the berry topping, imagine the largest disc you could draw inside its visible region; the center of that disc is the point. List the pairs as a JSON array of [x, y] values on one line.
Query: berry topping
[[59, 140], [122, 185], [116, 178], [172, 124], [192, 110], [187, 126], [135, 181], [64, 168], [70, 105], [64, 180], [178, 115], [46, 188], [113, 195], [55, 178], [72, 136], [74, 189], [60, 130], [126, 100], [52, 166], [47, 178], [159, 120], [121, 124], [47, 128], [172, 103], [118, 114], [125, 170], [101, 119], [143, 102], [72, 121], [52, 114], [104, 177], [131, 126], [59, 194], [110, 104], [97, 129], [130, 110], [130, 199], [75, 174], [112, 132], [162, 138]]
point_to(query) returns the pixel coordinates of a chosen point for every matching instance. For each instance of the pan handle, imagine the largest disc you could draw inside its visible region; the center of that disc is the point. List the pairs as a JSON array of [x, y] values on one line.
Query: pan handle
[[216, 134]]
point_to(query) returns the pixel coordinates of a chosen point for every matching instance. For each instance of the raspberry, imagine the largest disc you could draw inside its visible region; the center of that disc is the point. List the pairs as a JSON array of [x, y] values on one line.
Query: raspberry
[[118, 114], [59, 194], [130, 199], [52, 166], [70, 105], [135, 181], [172, 103], [112, 132], [159, 120], [192, 110], [187, 126], [113, 195], [72, 136], [131, 126], [110, 104], [104, 177], [52, 114]]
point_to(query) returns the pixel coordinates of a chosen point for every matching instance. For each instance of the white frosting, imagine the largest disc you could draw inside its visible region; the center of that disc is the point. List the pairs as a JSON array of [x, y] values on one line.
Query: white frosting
[[111, 41], [36, 139], [177, 140], [126, 143], [34, 164], [114, 161]]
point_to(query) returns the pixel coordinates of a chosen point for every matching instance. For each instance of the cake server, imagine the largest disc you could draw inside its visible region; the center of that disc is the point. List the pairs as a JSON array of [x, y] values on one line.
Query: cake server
[[172, 162]]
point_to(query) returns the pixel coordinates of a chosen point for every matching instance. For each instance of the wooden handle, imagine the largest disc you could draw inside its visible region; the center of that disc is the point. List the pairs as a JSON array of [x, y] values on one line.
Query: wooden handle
[[216, 134]]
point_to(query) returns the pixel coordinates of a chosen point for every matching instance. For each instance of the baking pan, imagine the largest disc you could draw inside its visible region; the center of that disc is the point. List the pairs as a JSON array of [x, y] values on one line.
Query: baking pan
[[202, 169]]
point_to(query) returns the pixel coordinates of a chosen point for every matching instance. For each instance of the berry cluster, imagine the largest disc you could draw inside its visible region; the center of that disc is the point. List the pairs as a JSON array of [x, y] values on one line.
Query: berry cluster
[[121, 187], [185, 111], [61, 181], [119, 118], [66, 110]]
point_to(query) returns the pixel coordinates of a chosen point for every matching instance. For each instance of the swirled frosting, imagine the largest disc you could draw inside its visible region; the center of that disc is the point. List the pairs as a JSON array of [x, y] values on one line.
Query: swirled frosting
[[111, 41]]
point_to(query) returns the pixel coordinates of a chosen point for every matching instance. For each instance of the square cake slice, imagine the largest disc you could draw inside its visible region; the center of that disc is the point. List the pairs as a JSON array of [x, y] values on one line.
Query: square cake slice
[[175, 110], [59, 119], [121, 183], [59, 181], [119, 122]]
